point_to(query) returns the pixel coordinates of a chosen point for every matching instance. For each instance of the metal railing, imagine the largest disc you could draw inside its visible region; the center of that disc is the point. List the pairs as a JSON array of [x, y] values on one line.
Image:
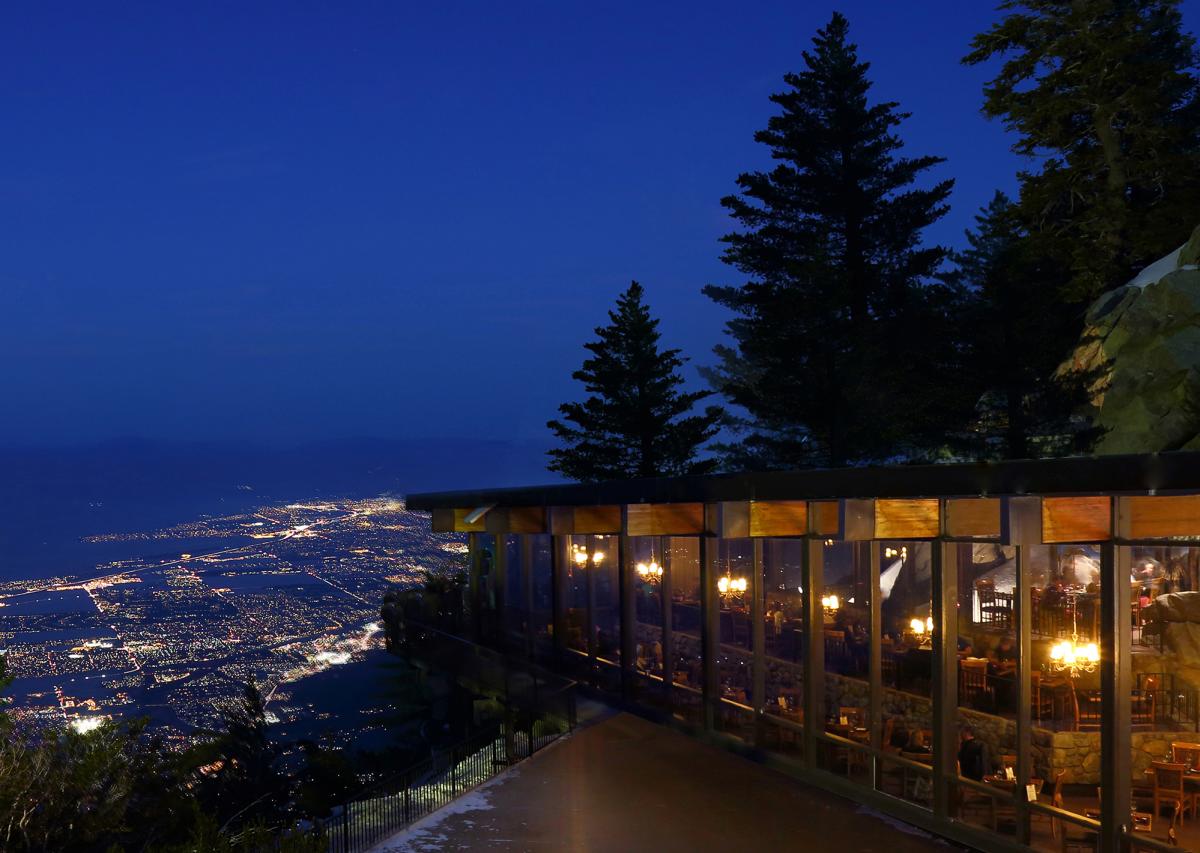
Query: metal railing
[[390, 806]]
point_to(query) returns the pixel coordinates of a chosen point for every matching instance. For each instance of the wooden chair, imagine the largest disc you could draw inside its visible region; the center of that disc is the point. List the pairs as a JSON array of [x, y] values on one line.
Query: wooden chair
[[985, 591], [835, 648], [1041, 702], [1056, 800], [1142, 706], [974, 803], [1169, 786], [973, 683], [1086, 707], [856, 717], [1186, 753]]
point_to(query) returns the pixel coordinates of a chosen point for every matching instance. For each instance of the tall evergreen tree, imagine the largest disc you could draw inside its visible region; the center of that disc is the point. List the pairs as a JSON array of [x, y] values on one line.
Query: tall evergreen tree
[[1104, 93], [1018, 327], [636, 421], [843, 335]]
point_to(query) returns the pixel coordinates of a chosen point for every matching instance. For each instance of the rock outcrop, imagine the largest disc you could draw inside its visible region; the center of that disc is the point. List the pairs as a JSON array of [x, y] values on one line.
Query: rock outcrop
[[1141, 351]]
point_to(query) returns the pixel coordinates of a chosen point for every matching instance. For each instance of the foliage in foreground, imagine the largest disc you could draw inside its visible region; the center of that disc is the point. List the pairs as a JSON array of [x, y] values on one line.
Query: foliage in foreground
[[114, 789]]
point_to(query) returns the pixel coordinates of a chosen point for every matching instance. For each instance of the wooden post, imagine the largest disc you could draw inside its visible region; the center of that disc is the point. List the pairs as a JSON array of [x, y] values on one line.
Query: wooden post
[[473, 593], [1025, 767], [668, 639], [1115, 694], [589, 612], [758, 639], [626, 588], [812, 578], [499, 582], [559, 561], [875, 657], [526, 550], [943, 557], [710, 627]]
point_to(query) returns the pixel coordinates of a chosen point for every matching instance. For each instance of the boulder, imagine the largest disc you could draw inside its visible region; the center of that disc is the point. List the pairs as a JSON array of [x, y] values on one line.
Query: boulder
[[1141, 352]]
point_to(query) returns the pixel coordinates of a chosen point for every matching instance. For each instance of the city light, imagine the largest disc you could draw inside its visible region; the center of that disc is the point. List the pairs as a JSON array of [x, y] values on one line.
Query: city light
[[83, 725]]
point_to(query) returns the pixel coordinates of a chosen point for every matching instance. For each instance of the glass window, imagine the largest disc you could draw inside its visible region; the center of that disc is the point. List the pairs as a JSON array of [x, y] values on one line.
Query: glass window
[[687, 668], [543, 593], [647, 557], [783, 616], [846, 620], [906, 660], [735, 661]]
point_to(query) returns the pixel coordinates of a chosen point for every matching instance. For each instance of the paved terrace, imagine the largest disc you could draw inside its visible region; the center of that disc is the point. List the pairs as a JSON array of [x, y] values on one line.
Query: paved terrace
[[625, 784]]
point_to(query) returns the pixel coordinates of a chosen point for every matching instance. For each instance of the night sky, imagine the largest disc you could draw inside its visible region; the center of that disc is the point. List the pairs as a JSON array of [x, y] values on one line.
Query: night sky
[[296, 221]]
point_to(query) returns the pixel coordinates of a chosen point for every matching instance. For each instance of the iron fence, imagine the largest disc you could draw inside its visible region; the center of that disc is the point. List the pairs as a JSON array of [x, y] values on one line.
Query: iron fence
[[427, 786]]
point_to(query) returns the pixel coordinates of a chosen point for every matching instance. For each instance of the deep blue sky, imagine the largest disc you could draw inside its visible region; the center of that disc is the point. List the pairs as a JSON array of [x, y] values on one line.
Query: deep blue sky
[[299, 220]]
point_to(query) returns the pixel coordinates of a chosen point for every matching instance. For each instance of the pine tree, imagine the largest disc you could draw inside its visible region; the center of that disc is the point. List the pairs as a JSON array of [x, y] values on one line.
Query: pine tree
[[1104, 94], [1018, 327], [637, 421], [843, 337]]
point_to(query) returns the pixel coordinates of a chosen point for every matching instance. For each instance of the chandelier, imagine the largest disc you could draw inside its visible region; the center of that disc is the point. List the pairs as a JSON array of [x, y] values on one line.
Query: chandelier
[[730, 587], [580, 556], [830, 603], [921, 627], [1071, 656], [650, 572]]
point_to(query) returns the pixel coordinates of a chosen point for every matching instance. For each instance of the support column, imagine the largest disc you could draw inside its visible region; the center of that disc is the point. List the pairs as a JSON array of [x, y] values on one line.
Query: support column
[[812, 578], [474, 598], [668, 639], [943, 562], [1024, 693], [1116, 685], [626, 590], [499, 583], [559, 556], [710, 627], [875, 656], [758, 640], [526, 550], [589, 613]]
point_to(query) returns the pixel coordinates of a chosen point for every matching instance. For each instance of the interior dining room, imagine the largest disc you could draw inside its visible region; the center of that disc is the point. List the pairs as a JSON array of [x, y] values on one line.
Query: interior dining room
[[1007, 654]]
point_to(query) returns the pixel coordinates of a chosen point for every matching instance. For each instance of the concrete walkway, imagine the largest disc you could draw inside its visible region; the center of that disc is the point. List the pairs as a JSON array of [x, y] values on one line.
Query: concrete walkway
[[624, 784]]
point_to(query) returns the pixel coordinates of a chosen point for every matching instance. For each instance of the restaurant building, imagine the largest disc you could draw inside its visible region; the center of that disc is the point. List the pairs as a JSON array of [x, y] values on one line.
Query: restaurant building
[[859, 628]]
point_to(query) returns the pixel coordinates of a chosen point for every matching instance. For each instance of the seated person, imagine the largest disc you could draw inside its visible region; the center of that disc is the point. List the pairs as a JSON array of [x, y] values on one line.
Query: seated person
[[1004, 656], [965, 648], [972, 756], [916, 742]]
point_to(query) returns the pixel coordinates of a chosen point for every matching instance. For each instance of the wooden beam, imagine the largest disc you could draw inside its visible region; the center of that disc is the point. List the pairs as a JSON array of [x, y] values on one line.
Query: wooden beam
[[568, 520], [915, 518], [516, 519], [455, 521], [680, 519], [824, 518], [856, 520], [972, 517], [778, 518], [1021, 520], [1083, 519], [727, 519], [1159, 516]]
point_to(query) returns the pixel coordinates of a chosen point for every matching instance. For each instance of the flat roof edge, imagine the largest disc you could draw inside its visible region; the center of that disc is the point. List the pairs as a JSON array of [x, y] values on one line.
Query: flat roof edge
[[1169, 472]]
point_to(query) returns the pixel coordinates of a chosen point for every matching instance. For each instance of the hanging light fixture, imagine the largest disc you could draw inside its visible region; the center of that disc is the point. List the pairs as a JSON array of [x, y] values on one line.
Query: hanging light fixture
[[1070, 656], [650, 572], [580, 556], [830, 603], [731, 587]]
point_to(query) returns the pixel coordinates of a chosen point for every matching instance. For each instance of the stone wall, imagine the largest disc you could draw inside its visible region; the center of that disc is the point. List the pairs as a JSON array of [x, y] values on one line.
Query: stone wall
[[1079, 753]]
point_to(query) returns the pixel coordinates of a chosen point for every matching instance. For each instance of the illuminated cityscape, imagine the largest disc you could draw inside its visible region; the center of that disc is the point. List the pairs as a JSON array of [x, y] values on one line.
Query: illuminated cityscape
[[288, 592]]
